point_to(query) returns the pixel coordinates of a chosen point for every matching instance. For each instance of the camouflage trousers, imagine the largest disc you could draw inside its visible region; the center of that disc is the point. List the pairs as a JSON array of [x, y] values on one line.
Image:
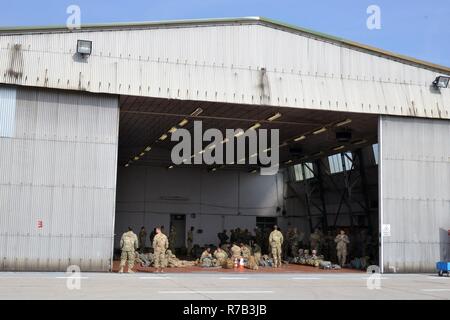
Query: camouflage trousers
[[160, 259], [127, 255], [276, 253], [342, 256]]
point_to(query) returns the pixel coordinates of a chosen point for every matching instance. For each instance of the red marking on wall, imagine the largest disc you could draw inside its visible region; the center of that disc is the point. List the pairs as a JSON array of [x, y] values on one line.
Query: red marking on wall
[[40, 224]]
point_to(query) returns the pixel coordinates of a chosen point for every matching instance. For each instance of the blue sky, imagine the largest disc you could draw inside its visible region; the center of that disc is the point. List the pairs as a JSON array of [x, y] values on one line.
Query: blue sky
[[416, 28]]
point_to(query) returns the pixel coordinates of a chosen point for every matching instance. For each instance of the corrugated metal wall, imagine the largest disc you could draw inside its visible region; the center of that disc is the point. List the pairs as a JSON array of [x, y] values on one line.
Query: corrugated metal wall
[[415, 192], [58, 167], [223, 63]]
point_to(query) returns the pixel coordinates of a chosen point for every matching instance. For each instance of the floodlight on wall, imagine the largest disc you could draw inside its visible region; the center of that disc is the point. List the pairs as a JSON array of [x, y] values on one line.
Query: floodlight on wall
[[441, 82], [84, 47]]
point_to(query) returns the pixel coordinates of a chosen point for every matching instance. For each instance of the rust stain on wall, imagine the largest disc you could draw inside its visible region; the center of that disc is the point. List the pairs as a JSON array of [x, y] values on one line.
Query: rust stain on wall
[[15, 69]]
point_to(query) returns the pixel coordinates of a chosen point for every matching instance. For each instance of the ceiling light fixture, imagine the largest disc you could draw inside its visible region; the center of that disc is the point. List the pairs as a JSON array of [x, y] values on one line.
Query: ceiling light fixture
[[172, 130], [274, 117], [300, 138], [170, 167], [343, 123], [183, 122], [320, 130], [141, 154], [255, 126], [197, 112], [148, 149], [136, 158], [163, 137], [359, 141], [339, 148]]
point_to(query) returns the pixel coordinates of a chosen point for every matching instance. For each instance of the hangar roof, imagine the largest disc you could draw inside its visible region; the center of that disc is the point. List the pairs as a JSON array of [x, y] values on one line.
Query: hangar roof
[[242, 20]]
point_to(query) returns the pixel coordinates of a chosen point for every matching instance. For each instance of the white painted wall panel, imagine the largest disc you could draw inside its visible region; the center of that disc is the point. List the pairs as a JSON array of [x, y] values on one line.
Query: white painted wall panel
[[415, 196], [59, 167], [221, 63]]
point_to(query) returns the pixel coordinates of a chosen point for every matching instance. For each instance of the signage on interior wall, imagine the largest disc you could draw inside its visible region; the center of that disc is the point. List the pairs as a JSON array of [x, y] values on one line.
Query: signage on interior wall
[[40, 224], [386, 230]]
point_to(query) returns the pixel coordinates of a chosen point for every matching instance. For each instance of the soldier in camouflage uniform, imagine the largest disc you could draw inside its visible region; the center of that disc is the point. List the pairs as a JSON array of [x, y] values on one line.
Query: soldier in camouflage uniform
[[128, 245], [341, 247], [190, 241], [142, 237], [221, 257], [276, 241], [160, 245], [172, 238], [235, 252], [316, 239]]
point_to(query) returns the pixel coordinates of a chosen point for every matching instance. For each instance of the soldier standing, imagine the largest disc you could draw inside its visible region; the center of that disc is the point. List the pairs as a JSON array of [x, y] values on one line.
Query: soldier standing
[[276, 241], [190, 241], [160, 245], [293, 242], [172, 238], [128, 245], [142, 236], [341, 247], [316, 239]]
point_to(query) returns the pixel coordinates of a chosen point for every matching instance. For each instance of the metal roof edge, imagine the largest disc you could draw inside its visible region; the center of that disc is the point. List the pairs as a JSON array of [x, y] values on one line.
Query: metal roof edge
[[257, 19]]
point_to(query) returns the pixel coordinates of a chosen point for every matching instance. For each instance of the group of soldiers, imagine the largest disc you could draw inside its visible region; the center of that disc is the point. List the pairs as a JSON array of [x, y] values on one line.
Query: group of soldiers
[[129, 243], [229, 255], [240, 244]]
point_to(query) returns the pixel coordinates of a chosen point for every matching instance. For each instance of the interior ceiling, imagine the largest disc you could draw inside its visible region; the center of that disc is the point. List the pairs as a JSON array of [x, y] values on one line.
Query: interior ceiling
[[143, 120]]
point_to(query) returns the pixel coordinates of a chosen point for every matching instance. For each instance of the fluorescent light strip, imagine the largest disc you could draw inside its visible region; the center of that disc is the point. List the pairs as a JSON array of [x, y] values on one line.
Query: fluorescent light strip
[[288, 162], [172, 130], [225, 140], [141, 154], [255, 126], [183, 122], [148, 149], [170, 167], [136, 158], [197, 112], [300, 138], [240, 133], [274, 117], [343, 123], [339, 148], [163, 137], [320, 130], [360, 141]]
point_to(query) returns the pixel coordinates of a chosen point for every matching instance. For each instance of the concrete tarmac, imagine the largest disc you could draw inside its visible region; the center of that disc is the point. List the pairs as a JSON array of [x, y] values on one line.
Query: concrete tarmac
[[222, 286]]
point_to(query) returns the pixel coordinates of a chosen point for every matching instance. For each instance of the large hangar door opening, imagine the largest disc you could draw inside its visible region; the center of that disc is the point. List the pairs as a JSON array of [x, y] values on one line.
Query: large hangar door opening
[[327, 180]]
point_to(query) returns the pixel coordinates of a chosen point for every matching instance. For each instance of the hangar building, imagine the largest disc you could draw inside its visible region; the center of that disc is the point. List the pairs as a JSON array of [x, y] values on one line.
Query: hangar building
[[84, 116]]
